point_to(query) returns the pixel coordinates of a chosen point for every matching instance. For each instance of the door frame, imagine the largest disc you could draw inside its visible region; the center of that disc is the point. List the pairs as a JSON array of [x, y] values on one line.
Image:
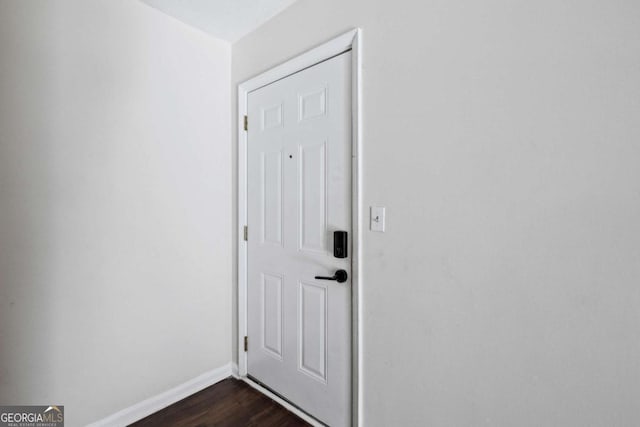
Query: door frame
[[350, 40]]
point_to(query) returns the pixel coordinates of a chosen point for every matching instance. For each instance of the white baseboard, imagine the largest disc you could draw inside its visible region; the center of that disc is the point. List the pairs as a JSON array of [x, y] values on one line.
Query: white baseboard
[[234, 371], [162, 400]]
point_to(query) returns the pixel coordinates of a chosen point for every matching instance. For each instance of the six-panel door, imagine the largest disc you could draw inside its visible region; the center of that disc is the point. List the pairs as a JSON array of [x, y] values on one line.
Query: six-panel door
[[299, 193]]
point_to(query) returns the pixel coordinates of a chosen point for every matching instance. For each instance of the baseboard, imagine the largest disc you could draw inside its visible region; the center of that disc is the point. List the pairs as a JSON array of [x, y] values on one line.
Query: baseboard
[[234, 371], [162, 400]]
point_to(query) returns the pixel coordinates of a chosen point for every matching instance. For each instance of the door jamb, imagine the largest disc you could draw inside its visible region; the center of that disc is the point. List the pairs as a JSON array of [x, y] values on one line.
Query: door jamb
[[349, 40]]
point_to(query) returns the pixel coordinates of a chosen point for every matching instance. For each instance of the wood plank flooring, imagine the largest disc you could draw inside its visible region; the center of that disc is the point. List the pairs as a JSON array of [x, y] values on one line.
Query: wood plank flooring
[[229, 403]]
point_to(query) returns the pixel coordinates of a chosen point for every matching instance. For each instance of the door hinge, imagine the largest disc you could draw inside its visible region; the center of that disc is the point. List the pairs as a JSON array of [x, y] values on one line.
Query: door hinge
[[246, 123], [246, 233], [246, 343]]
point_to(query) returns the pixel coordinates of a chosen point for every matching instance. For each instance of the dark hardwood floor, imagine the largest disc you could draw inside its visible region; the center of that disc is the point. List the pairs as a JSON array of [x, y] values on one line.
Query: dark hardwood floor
[[229, 403]]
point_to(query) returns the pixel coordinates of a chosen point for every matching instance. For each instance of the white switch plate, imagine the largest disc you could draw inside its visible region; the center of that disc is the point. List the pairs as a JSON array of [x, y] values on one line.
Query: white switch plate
[[377, 218]]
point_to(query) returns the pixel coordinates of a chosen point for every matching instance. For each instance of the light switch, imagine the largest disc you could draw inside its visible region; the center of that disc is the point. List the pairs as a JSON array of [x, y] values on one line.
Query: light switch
[[377, 218]]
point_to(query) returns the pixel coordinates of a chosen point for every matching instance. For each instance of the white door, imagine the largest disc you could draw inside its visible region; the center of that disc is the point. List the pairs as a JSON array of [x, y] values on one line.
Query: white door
[[299, 194]]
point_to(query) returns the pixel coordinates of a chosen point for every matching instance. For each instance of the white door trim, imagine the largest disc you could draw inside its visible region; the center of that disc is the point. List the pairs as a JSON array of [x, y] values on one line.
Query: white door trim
[[349, 40]]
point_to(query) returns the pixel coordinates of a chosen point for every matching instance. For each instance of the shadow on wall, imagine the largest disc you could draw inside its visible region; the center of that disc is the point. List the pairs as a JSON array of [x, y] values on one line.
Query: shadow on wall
[[114, 222], [27, 121]]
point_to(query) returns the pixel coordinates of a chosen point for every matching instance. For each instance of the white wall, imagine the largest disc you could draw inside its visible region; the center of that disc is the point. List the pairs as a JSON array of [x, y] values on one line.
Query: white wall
[[504, 139], [115, 186]]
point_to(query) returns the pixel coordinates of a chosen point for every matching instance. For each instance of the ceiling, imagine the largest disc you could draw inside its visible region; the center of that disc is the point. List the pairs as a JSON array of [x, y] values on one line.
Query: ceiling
[[225, 19]]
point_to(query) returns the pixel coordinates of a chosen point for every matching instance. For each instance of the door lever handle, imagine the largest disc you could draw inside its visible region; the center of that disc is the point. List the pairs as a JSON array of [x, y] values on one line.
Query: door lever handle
[[340, 276]]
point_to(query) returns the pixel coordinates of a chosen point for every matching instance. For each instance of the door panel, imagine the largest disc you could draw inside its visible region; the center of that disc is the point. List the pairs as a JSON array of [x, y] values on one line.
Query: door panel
[[272, 315], [313, 197], [272, 178], [312, 354], [299, 193]]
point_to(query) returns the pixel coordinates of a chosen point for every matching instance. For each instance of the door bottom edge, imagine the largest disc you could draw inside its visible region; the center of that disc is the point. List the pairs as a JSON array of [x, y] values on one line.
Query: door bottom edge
[[287, 404]]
